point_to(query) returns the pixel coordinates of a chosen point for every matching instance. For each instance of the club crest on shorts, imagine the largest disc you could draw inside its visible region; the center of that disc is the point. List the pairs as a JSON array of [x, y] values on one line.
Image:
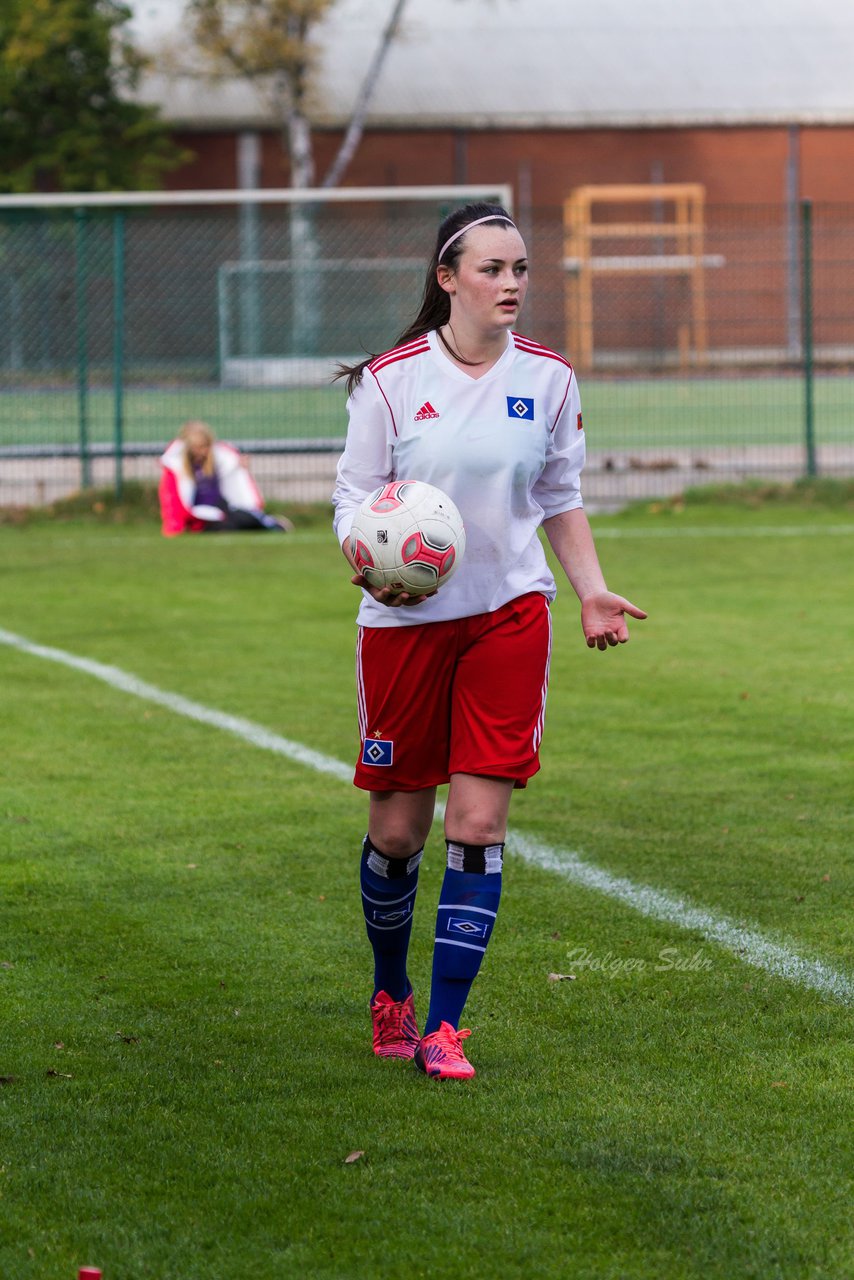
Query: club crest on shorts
[[520, 407], [378, 752]]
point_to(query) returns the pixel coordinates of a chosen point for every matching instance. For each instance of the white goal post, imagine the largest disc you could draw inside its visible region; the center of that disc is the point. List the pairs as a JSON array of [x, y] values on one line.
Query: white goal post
[[502, 193], [283, 284], [289, 320], [293, 297]]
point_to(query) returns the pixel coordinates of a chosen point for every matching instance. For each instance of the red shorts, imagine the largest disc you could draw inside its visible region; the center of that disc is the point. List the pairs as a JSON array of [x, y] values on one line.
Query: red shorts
[[465, 696]]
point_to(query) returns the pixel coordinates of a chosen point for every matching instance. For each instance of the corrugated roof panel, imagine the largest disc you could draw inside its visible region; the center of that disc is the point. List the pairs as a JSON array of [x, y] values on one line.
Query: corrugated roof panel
[[567, 63]]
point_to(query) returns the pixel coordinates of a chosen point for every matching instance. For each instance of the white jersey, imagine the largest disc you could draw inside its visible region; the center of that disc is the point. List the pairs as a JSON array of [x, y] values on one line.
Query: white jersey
[[508, 448]]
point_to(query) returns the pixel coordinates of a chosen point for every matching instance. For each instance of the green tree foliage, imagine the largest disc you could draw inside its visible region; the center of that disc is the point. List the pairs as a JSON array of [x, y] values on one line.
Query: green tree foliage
[[67, 121]]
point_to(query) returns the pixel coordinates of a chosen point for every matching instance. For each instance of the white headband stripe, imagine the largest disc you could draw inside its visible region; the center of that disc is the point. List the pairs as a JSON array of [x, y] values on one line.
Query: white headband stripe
[[490, 217]]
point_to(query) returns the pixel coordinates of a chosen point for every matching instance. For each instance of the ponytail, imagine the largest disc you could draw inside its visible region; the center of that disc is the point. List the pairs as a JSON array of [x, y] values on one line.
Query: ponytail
[[435, 309]]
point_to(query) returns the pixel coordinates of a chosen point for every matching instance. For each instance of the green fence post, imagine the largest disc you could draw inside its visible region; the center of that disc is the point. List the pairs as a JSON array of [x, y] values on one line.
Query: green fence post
[[807, 327], [82, 346], [118, 346]]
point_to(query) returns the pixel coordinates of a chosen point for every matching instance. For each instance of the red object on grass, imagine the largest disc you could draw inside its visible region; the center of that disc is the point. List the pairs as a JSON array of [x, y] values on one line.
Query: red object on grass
[[89, 1273]]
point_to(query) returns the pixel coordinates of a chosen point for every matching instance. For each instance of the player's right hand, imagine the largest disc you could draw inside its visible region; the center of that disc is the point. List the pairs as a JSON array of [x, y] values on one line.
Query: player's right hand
[[385, 595]]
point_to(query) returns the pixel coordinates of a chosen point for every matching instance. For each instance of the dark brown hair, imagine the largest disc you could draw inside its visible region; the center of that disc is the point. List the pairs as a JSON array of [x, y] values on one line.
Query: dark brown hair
[[435, 309]]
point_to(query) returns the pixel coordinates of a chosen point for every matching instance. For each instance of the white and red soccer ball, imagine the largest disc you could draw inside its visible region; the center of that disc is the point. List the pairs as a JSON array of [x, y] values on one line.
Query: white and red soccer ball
[[407, 535]]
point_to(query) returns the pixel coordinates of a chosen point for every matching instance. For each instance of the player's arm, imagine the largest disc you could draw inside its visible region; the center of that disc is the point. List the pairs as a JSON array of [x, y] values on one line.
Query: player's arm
[[365, 464], [558, 492], [603, 614]]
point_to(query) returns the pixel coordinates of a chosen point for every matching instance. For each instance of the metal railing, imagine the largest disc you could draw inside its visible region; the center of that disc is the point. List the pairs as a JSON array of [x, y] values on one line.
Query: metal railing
[[121, 317]]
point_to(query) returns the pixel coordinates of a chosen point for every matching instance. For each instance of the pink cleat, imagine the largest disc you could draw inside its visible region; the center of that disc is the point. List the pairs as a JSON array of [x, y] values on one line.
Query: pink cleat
[[441, 1056], [395, 1028]]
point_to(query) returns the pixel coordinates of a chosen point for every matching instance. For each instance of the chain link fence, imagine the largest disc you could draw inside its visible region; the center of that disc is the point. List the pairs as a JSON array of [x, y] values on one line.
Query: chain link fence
[[732, 360]]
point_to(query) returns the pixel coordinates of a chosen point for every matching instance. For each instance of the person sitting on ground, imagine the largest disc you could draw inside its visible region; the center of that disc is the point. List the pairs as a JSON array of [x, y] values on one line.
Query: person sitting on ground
[[205, 485]]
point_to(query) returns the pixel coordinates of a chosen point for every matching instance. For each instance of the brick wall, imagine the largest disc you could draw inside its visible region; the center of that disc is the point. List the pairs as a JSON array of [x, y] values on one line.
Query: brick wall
[[745, 173], [737, 165]]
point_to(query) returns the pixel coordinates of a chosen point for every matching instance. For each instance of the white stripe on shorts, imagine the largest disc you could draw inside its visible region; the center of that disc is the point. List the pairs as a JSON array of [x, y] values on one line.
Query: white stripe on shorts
[[360, 688], [541, 719]]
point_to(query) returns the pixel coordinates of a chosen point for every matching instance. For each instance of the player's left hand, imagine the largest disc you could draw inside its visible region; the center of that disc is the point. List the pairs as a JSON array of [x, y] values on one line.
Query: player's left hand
[[603, 619]]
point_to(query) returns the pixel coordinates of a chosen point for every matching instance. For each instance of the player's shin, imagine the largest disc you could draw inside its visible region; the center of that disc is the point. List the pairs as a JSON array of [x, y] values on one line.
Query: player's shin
[[468, 906], [388, 897]]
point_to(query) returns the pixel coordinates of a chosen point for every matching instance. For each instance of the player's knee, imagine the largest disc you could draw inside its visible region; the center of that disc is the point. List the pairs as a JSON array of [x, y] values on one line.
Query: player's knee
[[400, 823], [396, 842], [476, 825], [477, 810], [478, 832]]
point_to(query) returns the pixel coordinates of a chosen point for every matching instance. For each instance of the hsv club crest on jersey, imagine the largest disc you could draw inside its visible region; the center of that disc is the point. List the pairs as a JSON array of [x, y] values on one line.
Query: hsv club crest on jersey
[[521, 407]]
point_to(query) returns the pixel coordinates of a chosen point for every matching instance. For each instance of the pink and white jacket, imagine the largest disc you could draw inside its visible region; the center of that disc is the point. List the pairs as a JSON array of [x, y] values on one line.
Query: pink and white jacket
[[178, 489]]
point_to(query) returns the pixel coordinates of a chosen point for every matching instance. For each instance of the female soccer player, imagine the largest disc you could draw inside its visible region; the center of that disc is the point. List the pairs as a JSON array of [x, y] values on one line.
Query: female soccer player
[[452, 686]]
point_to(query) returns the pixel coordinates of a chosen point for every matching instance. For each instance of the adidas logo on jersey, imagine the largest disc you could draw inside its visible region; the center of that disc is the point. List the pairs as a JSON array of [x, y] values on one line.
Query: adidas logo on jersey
[[426, 411]]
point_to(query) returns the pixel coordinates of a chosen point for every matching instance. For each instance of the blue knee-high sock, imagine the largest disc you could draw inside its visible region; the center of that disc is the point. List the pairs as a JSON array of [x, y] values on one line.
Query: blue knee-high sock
[[468, 905], [388, 897]]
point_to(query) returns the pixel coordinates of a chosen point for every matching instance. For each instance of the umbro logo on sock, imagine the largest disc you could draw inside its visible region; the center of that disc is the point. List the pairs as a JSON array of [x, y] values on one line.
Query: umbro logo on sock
[[394, 917], [467, 927], [426, 411]]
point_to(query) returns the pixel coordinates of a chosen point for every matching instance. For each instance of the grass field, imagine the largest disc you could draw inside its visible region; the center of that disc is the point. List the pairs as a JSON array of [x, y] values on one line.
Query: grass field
[[184, 976], [621, 413]]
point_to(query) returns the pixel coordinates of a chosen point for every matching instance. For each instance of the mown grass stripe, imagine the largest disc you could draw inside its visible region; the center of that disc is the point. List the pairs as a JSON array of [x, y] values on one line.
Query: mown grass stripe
[[747, 943]]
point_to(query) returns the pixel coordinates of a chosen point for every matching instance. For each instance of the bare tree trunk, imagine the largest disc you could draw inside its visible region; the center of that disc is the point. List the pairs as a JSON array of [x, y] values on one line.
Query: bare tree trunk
[[356, 127], [251, 285], [300, 148], [304, 250], [296, 128]]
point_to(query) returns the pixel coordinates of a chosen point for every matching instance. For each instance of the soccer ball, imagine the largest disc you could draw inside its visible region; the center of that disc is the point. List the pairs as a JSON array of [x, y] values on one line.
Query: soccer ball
[[407, 535]]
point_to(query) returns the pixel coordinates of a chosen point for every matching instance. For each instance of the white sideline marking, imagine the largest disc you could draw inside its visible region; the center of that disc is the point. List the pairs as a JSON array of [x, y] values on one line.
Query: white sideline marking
[[725, 531], [746, 943], [741, 940], [246, 729]]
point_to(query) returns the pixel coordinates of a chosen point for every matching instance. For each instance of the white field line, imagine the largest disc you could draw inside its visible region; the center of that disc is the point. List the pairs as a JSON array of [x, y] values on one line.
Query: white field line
[[725, 531], [610, 531], [254, 734], [303, 536], [747, 943]]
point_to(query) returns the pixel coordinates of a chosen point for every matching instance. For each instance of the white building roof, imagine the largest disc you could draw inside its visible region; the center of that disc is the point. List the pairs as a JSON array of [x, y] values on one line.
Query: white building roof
[[548, 63]]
